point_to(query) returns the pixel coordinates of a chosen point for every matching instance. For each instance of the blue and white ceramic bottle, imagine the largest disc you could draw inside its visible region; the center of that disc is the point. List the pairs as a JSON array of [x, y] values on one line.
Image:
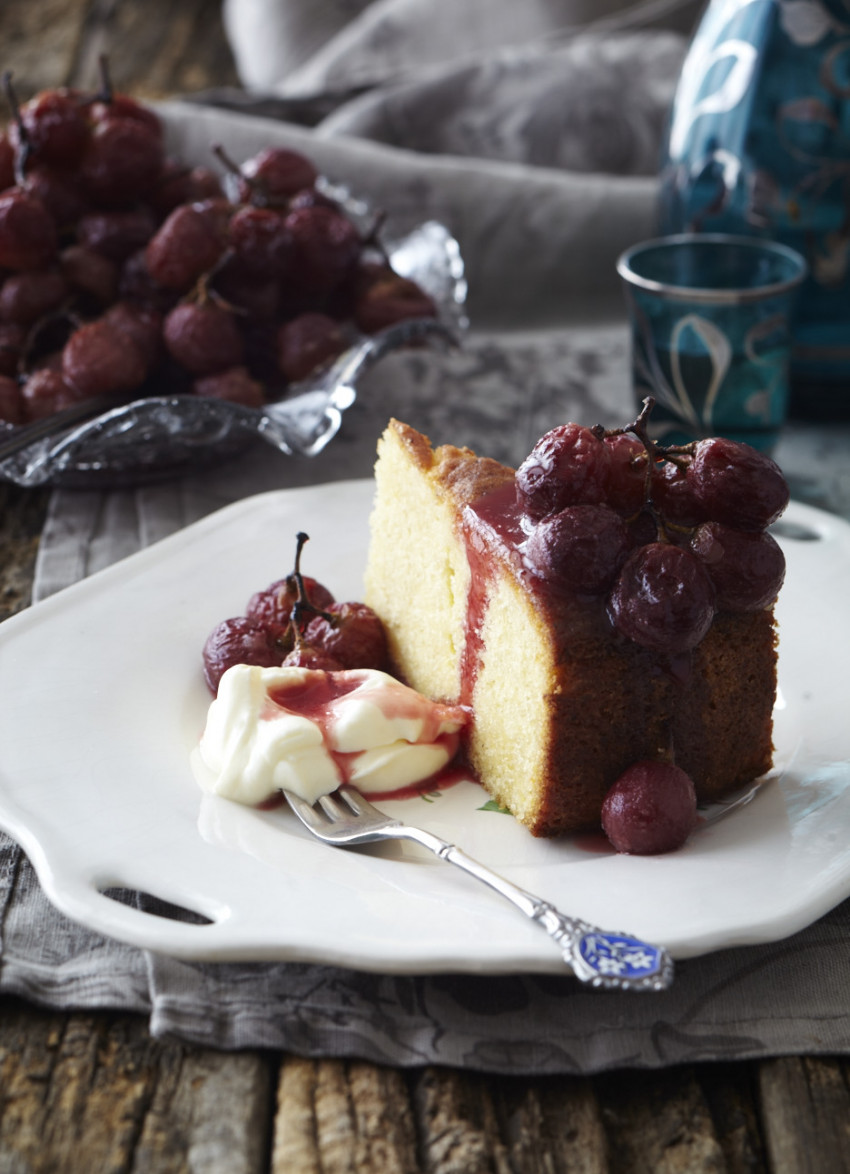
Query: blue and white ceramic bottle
[[759, 145]]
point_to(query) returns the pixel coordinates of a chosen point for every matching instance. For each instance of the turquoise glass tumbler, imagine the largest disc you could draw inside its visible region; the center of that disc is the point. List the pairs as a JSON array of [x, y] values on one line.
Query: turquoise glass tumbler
[[759, 145], [710, 319]]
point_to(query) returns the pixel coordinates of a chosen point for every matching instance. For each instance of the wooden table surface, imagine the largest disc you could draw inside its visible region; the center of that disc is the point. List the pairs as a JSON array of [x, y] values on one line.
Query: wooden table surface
[[96, 1093]]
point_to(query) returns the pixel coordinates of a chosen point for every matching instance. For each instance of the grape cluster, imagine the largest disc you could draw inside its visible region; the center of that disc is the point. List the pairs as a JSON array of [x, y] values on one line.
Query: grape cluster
[[296, 622], [668, 537], [119, 265]]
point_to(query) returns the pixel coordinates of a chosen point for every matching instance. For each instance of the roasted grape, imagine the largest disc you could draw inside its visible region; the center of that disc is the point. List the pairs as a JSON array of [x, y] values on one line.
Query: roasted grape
[[273, 606], [203, 338], [116, 235], [98, 359], [122, 161], [142, 326], [188, 244], [651, 808], [256, 298], [307, 342], [389, 299], [60, 192], [663, 599], [90, 274], [567, 466], [178, 184], [112, 107], [235, 385], [274, 174], [135, 284], [11, 404], [643, 527], [579, 549], [12, 341], [238, 641], [52, 128], [44, 393], [673, 495], [308, 656], [27, 233], [7, 162], [261, 241], [737, 485], [326, 247], [26, 297], [354, 635], [627, 470], [746, 568]]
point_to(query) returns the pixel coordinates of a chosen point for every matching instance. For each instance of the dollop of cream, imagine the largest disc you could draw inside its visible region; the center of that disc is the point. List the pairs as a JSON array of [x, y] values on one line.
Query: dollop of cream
[[307, 731]]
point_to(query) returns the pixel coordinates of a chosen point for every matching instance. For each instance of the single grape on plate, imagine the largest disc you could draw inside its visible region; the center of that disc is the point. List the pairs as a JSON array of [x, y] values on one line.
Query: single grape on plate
[[650, 809]]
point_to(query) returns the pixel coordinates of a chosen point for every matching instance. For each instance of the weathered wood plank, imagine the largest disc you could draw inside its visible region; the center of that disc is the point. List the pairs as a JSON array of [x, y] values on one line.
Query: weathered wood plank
[[470, 1123], [457, 1122], [551, 1126], [336, 1117], [659, 1123], [95, 1092], [731, 1092], [39, 42], [155, 49], [210, 1112], [70, 1086], [806, 1114]]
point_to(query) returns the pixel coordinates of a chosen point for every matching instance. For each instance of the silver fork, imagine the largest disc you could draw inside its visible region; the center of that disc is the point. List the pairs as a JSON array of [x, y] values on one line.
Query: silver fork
[[614, 961]]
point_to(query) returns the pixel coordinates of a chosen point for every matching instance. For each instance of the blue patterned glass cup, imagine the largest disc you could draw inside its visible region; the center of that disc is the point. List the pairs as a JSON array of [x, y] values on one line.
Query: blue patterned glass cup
[[710, 322]]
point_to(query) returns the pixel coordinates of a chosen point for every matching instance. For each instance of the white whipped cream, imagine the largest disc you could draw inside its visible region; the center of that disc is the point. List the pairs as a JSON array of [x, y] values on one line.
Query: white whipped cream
[[306, 731]]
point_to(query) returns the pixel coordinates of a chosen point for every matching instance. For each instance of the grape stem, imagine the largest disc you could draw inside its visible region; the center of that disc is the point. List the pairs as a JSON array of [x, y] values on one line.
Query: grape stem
[[675, 453], [302, 603], [21, 156], [372, 238], [638, 426], [222, 155], [107, 90], [260, 196], [204, 293]]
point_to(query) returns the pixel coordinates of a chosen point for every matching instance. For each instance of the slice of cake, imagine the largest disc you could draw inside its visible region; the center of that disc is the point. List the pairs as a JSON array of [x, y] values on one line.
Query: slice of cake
[[563, 670]]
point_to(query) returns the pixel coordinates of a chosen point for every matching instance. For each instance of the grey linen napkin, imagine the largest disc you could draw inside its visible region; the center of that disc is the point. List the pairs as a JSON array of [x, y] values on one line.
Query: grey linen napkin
[[541, 209]]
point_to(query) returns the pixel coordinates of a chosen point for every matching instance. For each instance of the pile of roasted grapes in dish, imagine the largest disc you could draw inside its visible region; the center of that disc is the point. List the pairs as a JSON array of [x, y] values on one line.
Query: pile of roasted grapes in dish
[[665, 537], [296, 621], [120, 267]]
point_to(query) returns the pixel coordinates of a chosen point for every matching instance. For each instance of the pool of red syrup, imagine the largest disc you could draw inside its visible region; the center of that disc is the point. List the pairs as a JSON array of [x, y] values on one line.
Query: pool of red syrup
[[596, 843], [313, 698]]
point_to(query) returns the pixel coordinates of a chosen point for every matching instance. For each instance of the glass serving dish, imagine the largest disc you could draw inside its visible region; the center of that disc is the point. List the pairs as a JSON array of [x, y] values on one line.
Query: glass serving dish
[[106, 442]]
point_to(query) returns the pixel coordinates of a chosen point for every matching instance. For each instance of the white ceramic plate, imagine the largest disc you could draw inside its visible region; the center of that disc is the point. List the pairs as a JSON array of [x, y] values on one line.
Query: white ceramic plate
[[103, 700]]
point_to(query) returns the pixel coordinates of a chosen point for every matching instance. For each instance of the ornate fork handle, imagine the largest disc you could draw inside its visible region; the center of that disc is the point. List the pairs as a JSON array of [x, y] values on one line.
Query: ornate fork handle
[[614, 961]]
